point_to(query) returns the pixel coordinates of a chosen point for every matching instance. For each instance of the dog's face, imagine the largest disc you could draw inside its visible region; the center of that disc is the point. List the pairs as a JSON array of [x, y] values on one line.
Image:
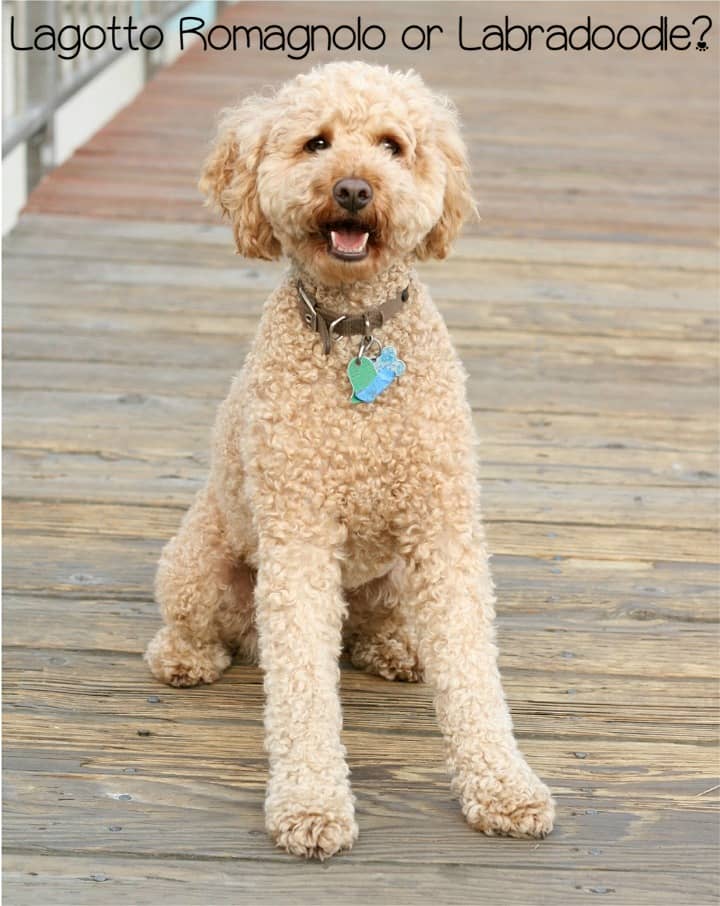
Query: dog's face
[[345, 169]]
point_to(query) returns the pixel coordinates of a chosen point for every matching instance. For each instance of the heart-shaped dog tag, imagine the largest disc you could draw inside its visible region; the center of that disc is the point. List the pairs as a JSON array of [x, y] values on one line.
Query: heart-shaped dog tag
[[361, 373]]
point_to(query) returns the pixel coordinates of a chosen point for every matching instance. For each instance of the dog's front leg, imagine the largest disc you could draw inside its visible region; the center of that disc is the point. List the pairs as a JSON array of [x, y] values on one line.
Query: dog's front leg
[[300, 609], [450, 589]]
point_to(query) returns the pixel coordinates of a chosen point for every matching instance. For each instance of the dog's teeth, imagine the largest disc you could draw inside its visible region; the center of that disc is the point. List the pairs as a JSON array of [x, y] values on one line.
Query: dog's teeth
[[349, 241]]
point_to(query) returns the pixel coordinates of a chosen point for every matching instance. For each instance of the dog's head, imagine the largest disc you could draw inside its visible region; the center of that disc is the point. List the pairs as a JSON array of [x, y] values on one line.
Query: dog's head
[[345, 169]]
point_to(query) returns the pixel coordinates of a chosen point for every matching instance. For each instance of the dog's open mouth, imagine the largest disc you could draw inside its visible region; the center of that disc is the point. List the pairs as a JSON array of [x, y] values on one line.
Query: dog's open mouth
[[347, 240]]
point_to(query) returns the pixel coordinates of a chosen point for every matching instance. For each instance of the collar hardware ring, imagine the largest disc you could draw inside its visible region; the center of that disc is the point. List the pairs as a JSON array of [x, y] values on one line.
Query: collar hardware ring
[[366, 345], [334, 324]]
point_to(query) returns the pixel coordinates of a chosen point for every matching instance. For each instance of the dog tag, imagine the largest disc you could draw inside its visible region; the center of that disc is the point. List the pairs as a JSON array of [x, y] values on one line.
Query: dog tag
[[369, 378], [361, 373]]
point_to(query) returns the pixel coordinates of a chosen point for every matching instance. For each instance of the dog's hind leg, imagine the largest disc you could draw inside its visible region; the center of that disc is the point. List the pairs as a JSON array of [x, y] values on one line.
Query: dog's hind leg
[[205, 596], [379, 636]]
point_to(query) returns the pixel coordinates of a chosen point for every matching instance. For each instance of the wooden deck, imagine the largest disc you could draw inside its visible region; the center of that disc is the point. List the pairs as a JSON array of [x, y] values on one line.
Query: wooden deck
[[585, 307]]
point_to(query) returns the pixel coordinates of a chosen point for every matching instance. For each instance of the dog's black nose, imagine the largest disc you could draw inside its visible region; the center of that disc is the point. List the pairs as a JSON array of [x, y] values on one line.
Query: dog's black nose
[[352, 194]]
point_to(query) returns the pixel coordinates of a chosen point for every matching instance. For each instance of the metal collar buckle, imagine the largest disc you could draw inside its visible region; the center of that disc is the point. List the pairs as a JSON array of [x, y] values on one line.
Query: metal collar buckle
[[310, 316]]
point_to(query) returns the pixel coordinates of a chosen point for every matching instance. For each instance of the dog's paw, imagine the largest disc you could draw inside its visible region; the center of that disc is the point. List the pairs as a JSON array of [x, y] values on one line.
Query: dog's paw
[[392, 657], [516, 806], [313, 817], [178, 662], [314, 833]]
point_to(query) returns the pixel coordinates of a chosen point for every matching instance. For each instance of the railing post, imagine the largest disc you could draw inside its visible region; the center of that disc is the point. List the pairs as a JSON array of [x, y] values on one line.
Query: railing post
[[41, 85]]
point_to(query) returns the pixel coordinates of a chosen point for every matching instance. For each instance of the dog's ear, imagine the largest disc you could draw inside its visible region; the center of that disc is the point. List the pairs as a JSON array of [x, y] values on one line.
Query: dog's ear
[[458, 203], [229, 176]]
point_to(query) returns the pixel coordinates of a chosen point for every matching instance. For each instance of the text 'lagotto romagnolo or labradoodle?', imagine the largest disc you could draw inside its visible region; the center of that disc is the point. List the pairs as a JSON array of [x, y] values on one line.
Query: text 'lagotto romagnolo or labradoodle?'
[[342, 506]]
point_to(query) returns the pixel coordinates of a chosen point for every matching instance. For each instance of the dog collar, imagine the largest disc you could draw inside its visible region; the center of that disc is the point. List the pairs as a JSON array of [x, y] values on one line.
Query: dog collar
[[330, 324]]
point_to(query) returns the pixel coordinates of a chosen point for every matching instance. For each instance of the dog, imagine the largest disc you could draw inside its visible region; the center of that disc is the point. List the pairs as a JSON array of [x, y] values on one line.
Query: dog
[[342, 508]]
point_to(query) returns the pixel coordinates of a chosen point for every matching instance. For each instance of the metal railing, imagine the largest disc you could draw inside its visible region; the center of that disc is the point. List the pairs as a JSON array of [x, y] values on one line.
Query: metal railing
[[37, 83]]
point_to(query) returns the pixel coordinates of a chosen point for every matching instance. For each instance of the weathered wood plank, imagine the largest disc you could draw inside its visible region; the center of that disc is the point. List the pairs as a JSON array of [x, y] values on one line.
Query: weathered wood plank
[[217, 732], [588, 728], [51, 252], [37, 473], [543, 534], [574, 253], [599, 710], [232, 807], [592, 358], [646, 595], [530, 392], [557, 461], [611, 436], [103, 623], [502, 282], [608, 389], [569, 647], [231, 311], [87, 880]]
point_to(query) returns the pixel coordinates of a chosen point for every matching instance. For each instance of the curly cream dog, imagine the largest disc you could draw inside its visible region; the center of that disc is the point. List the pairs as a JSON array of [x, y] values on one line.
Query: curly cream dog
[[330, 522]]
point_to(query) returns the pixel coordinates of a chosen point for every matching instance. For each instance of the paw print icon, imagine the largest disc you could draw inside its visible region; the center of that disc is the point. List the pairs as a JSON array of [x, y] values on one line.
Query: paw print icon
[[701, 45]]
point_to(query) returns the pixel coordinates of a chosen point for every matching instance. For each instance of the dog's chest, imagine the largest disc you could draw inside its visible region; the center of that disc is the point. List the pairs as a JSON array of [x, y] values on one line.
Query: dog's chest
[[365, 464], [363, 450], [371, 461], [356, 459]]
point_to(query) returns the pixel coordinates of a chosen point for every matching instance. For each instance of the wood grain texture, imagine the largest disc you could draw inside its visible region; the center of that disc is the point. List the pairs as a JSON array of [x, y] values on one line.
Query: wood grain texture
[[584, 306]]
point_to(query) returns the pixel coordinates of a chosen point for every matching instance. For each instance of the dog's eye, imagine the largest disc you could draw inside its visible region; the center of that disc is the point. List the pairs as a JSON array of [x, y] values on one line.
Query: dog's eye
[[390, 145], [317, 144]]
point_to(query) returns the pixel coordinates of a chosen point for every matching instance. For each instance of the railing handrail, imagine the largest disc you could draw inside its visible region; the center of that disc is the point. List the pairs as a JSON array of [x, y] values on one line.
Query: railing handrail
[[19, 128]]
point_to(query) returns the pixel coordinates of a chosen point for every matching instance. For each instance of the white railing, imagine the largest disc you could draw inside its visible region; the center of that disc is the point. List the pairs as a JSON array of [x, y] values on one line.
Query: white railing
[[38, 84]]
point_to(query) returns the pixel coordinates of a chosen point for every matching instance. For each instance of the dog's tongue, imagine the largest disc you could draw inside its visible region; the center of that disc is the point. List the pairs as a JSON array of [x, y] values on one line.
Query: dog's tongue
[[349, 240]]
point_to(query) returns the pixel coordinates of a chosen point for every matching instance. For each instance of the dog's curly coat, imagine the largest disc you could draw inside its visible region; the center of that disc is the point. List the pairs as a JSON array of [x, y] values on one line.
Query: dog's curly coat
[[324, 523]]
